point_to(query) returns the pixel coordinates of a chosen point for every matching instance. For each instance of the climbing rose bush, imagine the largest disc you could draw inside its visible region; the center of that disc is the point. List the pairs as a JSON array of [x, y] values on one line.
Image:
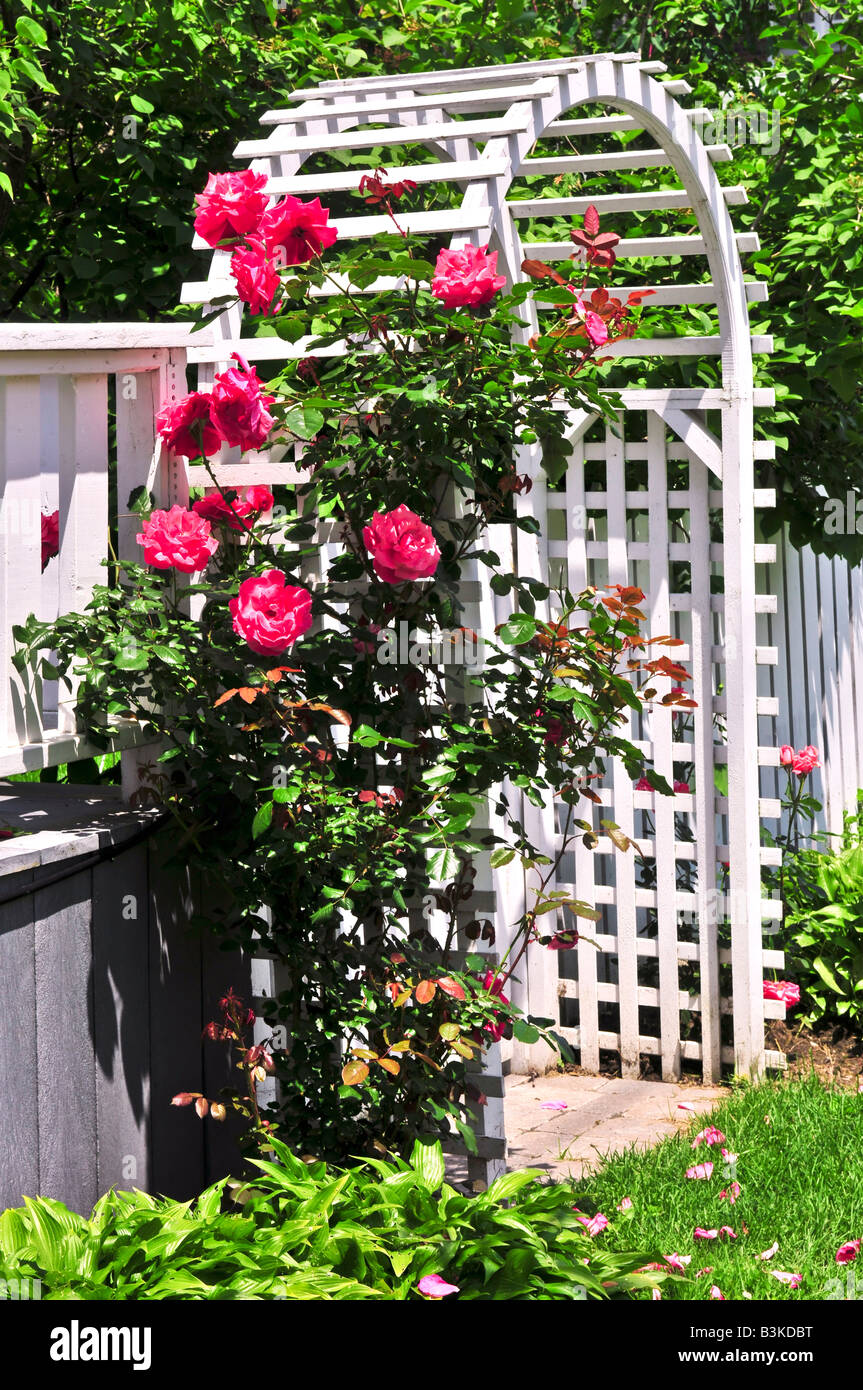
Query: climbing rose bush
[[330, 774]]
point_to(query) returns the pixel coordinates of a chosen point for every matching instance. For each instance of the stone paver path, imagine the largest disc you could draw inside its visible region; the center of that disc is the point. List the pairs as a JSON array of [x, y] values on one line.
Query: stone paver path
[[603, 1115]]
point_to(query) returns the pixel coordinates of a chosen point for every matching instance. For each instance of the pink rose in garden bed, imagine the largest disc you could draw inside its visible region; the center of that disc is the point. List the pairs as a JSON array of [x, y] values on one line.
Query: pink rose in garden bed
[[786, 990], [269, 614], [848, 1252], [239, 409], [255, 276], [494, 985], [295, 231], [175, 425], [803, 762], [177, 539], [231, 206], [254, 501], [50, 536], [466, 277], [402, 547], [597, 330]]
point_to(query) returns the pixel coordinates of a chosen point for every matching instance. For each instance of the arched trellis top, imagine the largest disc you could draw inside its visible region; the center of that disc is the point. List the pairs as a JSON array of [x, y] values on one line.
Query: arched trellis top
[[484, 123]]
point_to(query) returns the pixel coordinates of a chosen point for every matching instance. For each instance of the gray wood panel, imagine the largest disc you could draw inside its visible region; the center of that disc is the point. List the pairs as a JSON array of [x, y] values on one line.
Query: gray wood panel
[[121, 959], [64, 1037], [178, 1140], [19, 1130]]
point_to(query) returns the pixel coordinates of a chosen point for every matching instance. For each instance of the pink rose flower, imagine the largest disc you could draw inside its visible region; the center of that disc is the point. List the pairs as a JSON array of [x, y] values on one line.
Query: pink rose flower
[[708, 1136], [597, 330], [848, 1252], [295, 231], [401, 546], [700, 1170], [50, 536], [785, 990], [805, 761], [255, 276], [433, 1286], [177, 539], [494, 985], [269, 614], [174, 423], [786, 755], [238, 406], [257, 499], [466, 277], [230, 207]]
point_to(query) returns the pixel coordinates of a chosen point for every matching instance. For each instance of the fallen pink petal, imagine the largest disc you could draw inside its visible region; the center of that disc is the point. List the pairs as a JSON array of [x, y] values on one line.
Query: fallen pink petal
[[731, 1193], [433, 1286], [700, 1170], [702, 1233], [553, 1105], [594, 1224], [625, 1205], [792, 1280], [677, 1262], [708, 1136], [684, 1105], [770, 1252], [716, 1292], [700, 1273], [656, 1295]]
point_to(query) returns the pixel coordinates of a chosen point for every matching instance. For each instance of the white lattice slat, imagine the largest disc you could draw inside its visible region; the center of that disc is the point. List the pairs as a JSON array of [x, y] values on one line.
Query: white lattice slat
[[624, 162], [20, 539], [641, 248], [344, 180]]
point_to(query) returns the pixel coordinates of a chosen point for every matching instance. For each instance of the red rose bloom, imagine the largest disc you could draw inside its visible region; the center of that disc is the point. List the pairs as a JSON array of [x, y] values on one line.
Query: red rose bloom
[[466, 277], [256, 277], [786, 990], [50, 536], [232, 513], [269, 614], [401, 546], [177, 540], [230, 207], [295, 231], [174, 423], [238, 407]]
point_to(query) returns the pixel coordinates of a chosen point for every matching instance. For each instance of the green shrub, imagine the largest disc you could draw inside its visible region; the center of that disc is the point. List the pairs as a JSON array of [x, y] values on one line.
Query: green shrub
[[306, 1231]]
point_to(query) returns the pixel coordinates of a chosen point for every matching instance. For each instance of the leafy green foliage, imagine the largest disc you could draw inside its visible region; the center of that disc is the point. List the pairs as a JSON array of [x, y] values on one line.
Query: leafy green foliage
[[304, 1231], [822, 931]]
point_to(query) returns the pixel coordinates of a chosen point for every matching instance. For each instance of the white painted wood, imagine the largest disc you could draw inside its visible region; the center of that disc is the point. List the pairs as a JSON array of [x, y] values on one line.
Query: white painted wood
[[612, 204], [284, 142], [343, 180], [494, 98], [637, 248], [20, 550], [659, 612], [90, 337], [610, 163], [605, 125], [83, 508]]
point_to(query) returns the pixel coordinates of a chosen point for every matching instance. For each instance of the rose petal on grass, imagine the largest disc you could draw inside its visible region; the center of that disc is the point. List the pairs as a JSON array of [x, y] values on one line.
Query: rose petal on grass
[[625, 1205], [678, 1262], [716, 1292], [768, 1254], [700, 1170], [848, 1252], [784, 1277]]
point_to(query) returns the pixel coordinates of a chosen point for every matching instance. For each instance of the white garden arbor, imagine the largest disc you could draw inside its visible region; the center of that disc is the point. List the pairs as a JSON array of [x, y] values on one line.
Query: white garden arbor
[[482, 126]]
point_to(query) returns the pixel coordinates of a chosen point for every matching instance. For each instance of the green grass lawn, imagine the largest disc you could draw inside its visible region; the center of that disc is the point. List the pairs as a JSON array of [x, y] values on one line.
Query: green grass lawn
[[799, 1163]]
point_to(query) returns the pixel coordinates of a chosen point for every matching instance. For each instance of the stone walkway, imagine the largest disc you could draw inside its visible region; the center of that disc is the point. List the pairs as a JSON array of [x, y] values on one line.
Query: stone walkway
[[603, 1115]]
